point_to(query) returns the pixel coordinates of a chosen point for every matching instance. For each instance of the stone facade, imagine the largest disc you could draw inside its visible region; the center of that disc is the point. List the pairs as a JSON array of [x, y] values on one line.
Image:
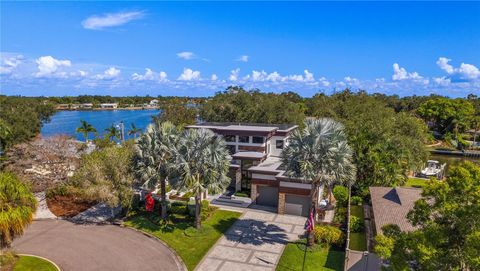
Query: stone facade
[[253, 192], [238, 180], [281, 203]]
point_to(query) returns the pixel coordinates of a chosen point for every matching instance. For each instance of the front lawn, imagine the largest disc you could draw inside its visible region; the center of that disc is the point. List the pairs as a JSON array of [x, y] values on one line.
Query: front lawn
[[416, 182], [358, 240], [318, 258], [25, 263], [191, 245]]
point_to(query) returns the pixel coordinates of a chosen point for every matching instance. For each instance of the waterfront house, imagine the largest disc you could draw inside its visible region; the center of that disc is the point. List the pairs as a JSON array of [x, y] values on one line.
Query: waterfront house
[[86, 106], [256, 165], [391, 206], [109, 105]]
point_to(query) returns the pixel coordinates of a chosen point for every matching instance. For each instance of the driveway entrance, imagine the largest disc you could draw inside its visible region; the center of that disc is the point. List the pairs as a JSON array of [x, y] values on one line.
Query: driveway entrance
[[255, 242]]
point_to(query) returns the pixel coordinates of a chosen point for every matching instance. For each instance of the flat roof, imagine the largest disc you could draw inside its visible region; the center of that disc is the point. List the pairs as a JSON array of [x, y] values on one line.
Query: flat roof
[[271, 164], [248, 154], [244, 126]]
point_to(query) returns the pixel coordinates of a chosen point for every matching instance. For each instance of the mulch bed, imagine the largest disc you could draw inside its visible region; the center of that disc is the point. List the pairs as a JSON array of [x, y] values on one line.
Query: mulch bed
[[68, 206]]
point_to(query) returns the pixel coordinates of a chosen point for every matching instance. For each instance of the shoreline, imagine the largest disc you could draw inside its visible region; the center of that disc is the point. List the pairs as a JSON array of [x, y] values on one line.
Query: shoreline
[[108, 109]]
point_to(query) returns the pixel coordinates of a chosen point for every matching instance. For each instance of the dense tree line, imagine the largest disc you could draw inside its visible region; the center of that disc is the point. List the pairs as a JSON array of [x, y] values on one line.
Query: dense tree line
[[21, 119]]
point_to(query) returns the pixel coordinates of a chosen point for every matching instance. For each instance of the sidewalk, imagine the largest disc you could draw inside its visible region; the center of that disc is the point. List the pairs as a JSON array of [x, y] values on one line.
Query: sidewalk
[[42, 211]]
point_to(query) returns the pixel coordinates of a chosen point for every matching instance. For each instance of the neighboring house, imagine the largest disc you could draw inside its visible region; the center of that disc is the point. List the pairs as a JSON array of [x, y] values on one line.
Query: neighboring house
[[62, 107], [86, 106], [109, 105], [256, 165], [391, 206], [154, 102]]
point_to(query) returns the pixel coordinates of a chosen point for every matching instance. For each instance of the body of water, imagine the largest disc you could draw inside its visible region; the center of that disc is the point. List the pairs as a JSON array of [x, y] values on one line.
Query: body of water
[[452, 160], [66, 122]]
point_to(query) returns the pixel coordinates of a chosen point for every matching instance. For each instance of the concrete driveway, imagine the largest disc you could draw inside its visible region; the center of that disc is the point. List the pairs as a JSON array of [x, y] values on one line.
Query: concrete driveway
[[95, 247], [255, 242]]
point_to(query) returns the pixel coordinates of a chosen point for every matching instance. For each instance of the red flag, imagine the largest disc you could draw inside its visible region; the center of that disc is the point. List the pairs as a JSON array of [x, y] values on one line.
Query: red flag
[[310, 225], [149, 202]]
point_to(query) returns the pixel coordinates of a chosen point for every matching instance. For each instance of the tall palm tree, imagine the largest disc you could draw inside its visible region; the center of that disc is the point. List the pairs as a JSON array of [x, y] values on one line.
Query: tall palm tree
[[319, 155], [134, 130], [155, 157], [201, 164], [17, 205], [85, 128], [112, 132]]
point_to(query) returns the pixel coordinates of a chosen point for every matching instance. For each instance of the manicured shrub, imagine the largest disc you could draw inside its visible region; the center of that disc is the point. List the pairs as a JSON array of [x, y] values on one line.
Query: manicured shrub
[[328, 235], [356, 200], [178, 207], [384, 246], [356, 224], [341, 194], [205, 211], [340, 215], [391, 230]]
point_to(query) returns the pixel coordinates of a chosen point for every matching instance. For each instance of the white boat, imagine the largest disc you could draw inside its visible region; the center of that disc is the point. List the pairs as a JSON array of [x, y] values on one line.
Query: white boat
[[433, 169]]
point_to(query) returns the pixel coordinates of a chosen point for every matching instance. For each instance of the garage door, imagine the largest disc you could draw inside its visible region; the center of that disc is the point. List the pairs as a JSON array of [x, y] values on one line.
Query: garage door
[[297, 205], [267, 196]]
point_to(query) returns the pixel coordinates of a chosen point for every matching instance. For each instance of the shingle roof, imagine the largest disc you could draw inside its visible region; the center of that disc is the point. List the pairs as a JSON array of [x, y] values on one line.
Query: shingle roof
[[391, 206]]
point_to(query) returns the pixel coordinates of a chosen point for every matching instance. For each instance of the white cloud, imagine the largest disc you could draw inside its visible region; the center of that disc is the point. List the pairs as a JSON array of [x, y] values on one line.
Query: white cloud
[[149, 75], [234, 75], [49, 66], [186, 55], [9, 63], [442, 81], [243, 58], [162, 76], [189, 75], [308, 76], [351, 80], [465, 71], [214, 77], [110, 73], [96, 22], [400, 74]]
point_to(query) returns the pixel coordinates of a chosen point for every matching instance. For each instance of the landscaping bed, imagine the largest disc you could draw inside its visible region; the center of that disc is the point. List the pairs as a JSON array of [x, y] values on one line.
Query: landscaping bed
[[68, 205], [319, 257], [26, 263], [178, 232], [358, 239]]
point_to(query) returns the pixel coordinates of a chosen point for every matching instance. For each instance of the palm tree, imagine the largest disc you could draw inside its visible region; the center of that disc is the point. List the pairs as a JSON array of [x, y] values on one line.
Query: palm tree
[[155, 157], [17, 205], [201, 164], [319, 155], [112, 132], [134, 130], [85, 128]]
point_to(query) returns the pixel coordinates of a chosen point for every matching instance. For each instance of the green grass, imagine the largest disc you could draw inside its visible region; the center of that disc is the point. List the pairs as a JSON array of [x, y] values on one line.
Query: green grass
[[320, 258], [28, 263], [416, 182], [190, 247], [358, 240], [244, 194]]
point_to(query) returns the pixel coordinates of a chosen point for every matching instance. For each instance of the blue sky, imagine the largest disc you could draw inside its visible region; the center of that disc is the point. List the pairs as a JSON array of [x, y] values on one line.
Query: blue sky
[[196, 49]]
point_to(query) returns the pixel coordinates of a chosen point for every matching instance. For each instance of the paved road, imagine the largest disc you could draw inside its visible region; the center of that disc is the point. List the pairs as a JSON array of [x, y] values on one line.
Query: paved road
[[255, 242], [95, 247]]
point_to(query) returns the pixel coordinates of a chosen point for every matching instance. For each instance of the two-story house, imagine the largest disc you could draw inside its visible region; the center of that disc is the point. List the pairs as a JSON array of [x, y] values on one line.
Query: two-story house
[[256, 166]]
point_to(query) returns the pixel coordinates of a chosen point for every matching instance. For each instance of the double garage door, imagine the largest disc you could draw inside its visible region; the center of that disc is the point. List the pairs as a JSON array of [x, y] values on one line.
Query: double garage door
[[297, 205], [267, 195]]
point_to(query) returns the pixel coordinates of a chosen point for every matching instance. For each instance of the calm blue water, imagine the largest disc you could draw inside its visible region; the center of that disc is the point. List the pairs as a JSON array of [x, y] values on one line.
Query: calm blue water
[[66, 122]]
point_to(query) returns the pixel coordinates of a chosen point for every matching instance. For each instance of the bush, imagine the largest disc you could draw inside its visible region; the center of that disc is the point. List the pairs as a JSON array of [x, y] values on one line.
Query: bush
[[205, 211], [178, 207], [391, 230], [340, 215], [356, 200], [341, 194], [384, 246], [328, 235], [356, 224]]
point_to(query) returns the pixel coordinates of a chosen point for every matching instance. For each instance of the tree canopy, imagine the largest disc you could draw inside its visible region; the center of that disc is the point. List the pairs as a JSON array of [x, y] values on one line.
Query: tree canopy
[[238, 105], [447, 215]]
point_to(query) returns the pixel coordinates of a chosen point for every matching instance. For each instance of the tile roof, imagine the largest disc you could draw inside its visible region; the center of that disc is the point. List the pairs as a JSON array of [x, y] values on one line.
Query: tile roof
[[391, 206]]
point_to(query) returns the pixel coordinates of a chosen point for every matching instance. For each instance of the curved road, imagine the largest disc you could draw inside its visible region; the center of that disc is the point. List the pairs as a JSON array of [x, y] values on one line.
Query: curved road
[[95, 247]]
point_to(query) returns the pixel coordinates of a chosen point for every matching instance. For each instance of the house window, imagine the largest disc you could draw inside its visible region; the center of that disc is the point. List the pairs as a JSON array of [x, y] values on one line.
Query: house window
[[231, 149], [279, 144], [244, 139], [229, 138], [258, 139]]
